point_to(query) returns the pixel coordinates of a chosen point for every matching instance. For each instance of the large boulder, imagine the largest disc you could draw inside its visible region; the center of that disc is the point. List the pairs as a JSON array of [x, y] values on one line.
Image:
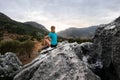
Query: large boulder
[[87, 53], [61, 63], [104, 40], [9, 65], [107, 39]]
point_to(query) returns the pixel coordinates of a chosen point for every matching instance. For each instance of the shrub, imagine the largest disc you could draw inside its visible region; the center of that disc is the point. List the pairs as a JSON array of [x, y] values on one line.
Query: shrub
[[9, 46], [26, 47], [36, 35], [22, 38], [23, 48]]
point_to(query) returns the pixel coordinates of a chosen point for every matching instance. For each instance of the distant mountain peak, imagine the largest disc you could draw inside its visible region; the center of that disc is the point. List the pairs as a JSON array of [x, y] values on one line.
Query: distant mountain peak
[[4, 17], [37, 25], [1, 14], [76, 33]]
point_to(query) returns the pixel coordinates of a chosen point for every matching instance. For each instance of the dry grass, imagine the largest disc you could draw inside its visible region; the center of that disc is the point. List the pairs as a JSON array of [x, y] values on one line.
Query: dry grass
[[25, 59]]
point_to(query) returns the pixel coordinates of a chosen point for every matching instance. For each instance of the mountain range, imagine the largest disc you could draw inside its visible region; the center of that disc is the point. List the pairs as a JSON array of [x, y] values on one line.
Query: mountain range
[[76, 33], [37, 25], [31, 28], [28, 28]]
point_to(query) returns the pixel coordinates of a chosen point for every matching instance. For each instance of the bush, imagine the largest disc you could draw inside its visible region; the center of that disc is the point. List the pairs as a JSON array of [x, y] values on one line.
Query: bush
[[36, 35], [22, 38], [26, 47], [9, 46], [23, 48]]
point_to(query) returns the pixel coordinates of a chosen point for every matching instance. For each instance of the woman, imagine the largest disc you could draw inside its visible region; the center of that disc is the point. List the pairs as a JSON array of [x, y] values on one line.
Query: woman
[[51, 39]]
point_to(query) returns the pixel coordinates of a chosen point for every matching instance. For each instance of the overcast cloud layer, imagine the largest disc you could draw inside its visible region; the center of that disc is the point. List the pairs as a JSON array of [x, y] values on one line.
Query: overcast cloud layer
[[62, 13]]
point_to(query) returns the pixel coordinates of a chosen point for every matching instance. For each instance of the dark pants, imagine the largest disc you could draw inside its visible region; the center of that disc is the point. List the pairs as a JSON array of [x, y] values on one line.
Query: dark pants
[[53, 45]]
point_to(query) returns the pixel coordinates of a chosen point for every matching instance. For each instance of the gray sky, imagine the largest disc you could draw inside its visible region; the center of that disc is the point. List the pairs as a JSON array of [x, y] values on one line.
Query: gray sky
[[62, 13]]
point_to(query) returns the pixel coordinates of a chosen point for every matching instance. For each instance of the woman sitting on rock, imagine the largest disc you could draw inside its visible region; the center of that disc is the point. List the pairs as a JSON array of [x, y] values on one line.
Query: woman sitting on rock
[[51, 39]]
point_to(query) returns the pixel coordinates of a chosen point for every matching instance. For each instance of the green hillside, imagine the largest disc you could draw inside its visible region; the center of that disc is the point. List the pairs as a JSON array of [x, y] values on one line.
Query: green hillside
[[14, 27]]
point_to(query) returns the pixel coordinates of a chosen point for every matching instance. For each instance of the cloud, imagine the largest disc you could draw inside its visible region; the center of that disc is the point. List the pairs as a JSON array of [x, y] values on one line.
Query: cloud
[[62, 13]]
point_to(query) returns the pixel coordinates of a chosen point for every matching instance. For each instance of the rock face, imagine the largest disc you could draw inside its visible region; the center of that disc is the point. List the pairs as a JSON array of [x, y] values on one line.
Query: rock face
[[107, 39], [61, 63], [88, 55], [9, 65]]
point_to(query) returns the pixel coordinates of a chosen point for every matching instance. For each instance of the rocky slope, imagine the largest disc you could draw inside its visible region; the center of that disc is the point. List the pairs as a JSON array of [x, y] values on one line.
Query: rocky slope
[[61, 63]]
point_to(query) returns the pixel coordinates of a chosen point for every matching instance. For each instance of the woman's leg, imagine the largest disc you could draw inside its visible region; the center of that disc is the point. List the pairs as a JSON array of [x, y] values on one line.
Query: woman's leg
[[46, 42], [45, 45]]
